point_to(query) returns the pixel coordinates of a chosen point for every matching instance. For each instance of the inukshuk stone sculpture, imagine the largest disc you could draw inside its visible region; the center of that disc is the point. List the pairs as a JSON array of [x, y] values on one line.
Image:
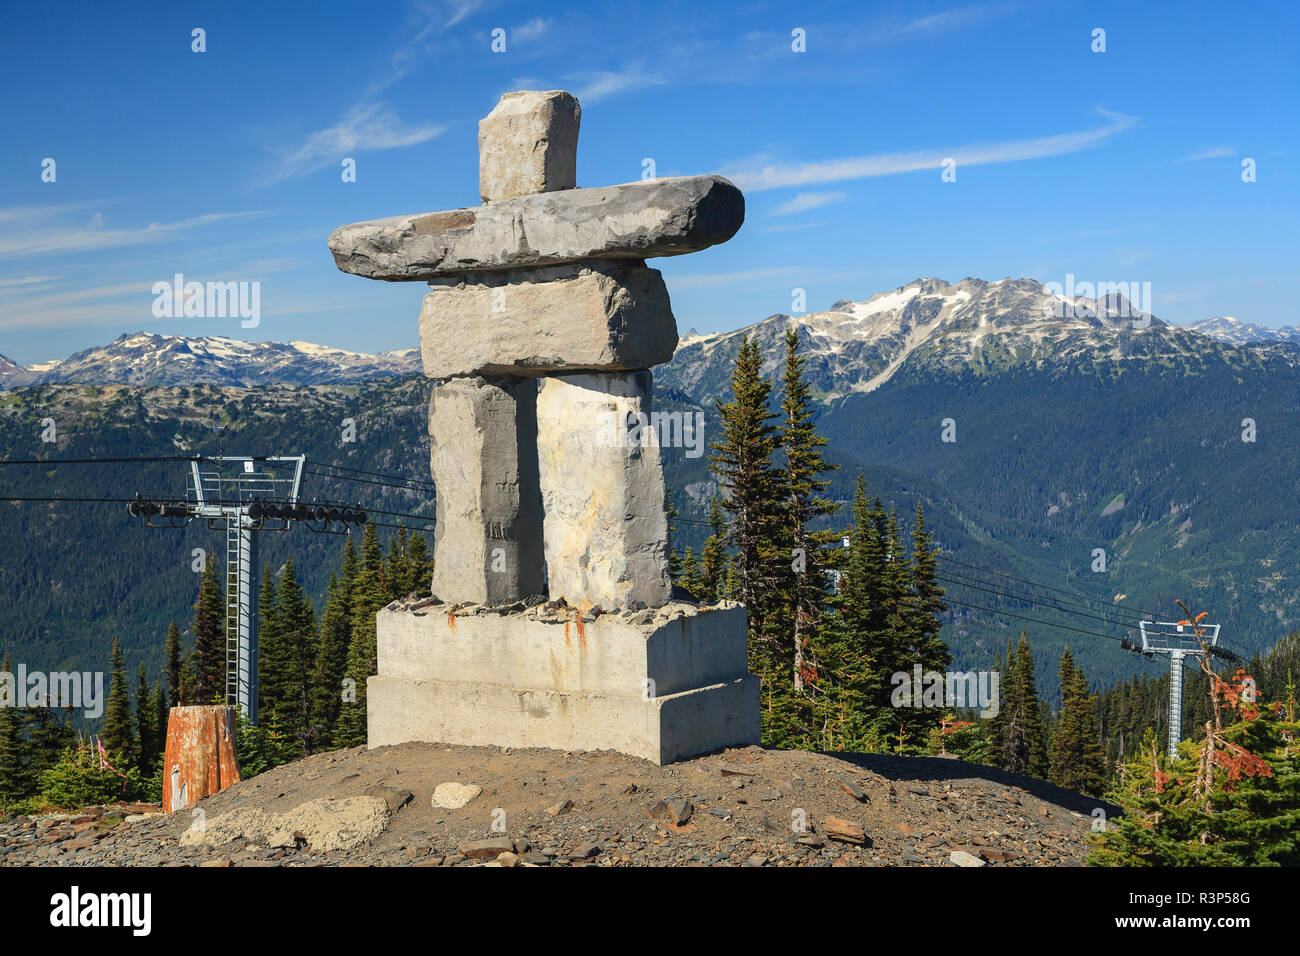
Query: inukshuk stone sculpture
[[543, 321]]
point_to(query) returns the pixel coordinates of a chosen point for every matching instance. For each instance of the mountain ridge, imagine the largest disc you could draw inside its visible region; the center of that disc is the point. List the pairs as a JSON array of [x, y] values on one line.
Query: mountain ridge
[[143, 359], [927, 320]]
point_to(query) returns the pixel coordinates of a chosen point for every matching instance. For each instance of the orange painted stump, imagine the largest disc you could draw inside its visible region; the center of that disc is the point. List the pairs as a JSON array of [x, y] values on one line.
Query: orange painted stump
[[200, 756]]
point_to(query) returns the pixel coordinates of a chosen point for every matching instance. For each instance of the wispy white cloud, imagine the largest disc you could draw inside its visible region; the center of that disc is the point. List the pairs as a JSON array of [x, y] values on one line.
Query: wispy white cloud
[[957, 18], [460, 10], [372, 124], [20, 283], [365, 128], [77, 238], [1217, 152], [534, 29], [778, 175], [129, 304], [595, 85], [805, 201], [15, 214]]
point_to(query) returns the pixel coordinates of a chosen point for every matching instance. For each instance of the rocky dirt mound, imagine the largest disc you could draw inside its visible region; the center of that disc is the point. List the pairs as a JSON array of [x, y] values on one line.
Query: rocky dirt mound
[[749, 806]]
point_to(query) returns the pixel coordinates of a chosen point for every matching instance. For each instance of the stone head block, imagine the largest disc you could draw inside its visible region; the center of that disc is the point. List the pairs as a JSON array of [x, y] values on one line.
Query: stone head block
[[528, 144]]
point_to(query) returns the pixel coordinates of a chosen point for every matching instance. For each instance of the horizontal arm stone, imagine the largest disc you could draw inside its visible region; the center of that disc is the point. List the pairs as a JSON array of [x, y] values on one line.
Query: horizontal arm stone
[[657, 217]]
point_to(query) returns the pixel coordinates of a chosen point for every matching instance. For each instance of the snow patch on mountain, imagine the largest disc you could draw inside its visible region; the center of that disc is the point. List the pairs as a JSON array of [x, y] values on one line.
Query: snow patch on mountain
[[143, 358]]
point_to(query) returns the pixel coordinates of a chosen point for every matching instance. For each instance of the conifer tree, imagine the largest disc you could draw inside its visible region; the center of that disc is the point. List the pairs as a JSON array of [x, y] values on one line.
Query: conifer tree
[[749, 488], [802, 486], [689, 574], [421, 564], [368, 596], [173, 656], [297, 625], [161, 714], [118, 735], [401, 583], [713, 557], [272, 655], [16, 781], [47, 737], [1018, 728], [208, 656], [146, 719], [332, 653], [1076, 758]]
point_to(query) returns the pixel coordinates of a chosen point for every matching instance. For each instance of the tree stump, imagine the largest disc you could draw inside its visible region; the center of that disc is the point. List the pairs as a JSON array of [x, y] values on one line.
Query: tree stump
[[199, 759]]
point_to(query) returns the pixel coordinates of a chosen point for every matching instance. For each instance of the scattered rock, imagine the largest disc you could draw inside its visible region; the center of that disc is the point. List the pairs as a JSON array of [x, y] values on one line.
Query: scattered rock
[[680, 810], [962, 858], [486, 849], [843, 831], [851, 788], [453, 796]]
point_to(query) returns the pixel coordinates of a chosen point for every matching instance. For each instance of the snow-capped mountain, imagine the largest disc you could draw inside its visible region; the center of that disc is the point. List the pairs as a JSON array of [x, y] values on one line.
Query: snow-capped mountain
[[1236, 332], [930, 325], [145, 359], [925, 326], [13, 375]]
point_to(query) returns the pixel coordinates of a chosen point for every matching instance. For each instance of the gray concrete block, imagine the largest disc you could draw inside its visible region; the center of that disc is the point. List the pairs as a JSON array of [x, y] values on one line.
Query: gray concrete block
[[610, 655], [660, 730], [661, 691]]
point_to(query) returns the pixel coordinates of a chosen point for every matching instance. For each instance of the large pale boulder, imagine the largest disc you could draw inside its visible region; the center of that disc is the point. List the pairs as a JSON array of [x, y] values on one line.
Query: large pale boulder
[[640, 220], [528, 144], [482, 434], [610, 316], [604, 524]]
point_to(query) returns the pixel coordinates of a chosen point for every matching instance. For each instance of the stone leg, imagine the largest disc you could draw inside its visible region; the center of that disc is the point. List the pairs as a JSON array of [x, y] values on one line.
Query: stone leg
[[605, 528], [483, 437]]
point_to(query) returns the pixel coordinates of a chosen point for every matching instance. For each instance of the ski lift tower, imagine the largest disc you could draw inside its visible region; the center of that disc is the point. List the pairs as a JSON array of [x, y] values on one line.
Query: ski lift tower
[[249, 494], [1178, 641]]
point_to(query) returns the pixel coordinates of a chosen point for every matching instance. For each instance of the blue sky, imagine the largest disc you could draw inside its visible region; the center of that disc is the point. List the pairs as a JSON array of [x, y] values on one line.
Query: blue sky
[[225, 165]]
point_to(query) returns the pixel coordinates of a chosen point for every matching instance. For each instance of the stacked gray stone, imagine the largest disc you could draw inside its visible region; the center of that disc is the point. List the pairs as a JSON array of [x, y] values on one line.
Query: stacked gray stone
[[543, 320]]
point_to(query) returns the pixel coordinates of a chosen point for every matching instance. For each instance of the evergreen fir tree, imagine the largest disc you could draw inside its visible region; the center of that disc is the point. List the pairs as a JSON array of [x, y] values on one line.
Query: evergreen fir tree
[[1018, 728], [750, 491], [332, 653], [173, 656], [802, 485], [297, 626], [369, 595], [118, 735], [1076, 757], [47, 737], [146, 719], [16, 781], [421, 564], [273, 667], [713, 557], [208, 656], [688, 575], [161, 715]]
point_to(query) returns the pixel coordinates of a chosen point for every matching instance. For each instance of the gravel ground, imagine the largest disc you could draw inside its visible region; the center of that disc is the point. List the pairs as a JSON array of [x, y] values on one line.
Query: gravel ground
[[749, 806]]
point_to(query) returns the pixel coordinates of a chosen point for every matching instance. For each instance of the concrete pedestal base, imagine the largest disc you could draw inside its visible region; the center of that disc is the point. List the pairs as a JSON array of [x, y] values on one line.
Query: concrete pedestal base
[[663, 684]]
